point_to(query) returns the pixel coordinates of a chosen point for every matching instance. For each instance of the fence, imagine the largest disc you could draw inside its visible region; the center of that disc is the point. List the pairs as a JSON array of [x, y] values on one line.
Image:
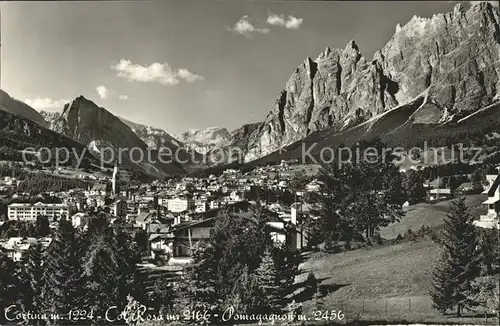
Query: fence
[[413, 308], [389, 306]]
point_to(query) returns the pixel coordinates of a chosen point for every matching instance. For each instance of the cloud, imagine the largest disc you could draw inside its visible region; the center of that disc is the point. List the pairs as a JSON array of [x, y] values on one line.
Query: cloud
[[105, 93], [279, 20], [154, 73], [45, 103], [102, 91], [188, 76], [246, 28], [493, 3]]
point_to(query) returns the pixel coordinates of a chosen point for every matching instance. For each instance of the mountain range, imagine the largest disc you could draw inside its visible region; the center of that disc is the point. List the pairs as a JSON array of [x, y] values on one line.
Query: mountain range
[[205, 140], [430, 76], [451, 60], [436, 78]]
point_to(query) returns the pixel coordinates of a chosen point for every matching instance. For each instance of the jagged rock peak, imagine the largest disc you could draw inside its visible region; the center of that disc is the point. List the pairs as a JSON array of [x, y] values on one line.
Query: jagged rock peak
[[458, 10], [204, 140], [351, 45], [83, 99], [83, 103], [455, 55]]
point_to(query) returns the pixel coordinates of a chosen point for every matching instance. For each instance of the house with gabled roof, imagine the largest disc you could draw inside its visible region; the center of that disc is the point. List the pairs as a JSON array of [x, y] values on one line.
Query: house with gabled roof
[[99, 189], [491, 220], [183, 238], [144, 218]]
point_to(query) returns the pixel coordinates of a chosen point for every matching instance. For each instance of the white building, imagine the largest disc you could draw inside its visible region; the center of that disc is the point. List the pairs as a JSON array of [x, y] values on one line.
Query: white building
[[15, 247], [29, 212], [201, 206], [491, 220], [79, 218], [490, 179], [440, 193], [179, 205], [215, 204], [235, 196], [315, 185]]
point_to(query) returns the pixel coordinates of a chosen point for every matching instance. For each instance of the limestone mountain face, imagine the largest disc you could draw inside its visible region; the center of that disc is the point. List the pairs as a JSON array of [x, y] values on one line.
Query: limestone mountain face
[[85, 122], [204, 140], [453, 58], [153, 137], [95, 127], [235, 147], [456, 55], [20, 135], [16, 107], [52, 118]]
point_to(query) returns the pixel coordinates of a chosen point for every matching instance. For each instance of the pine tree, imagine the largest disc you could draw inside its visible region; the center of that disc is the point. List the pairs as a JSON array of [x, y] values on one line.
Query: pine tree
[[63, 273], [127, 253], [287, 264], [31, 292], [484, 294], [246, 294], [163, 295], [236, 242], [489, 250], [42, 226], [200, 281], [9, 284], [413, 186], [100, 275], [459, 263], [269, 282]]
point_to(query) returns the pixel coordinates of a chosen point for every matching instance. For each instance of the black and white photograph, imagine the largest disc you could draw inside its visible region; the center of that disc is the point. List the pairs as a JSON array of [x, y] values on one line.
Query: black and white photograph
[[239, 162]]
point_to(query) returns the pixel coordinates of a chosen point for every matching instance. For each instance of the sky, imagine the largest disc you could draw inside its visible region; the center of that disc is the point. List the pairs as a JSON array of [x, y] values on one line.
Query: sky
[[180, 65]]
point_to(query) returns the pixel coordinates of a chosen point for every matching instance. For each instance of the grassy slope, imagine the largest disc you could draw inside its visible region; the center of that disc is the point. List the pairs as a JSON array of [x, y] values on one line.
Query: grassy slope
[[360, 282], [388, 283], [431, 215], [385, 271]]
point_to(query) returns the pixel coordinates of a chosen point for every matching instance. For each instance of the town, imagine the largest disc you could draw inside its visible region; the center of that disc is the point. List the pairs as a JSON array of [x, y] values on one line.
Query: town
[[169, 220], [175, 214], [249, 162]]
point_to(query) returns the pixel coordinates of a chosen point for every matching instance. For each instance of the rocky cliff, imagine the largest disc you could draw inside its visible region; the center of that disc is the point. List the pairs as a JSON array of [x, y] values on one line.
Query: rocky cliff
[[16, 107], [52, 118], [204, 140], [21, 138], [453, 58], [153, 137], [95, 127], [235, 146]]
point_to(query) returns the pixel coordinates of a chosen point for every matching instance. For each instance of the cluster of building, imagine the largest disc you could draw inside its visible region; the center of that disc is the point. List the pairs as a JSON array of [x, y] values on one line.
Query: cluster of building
[[175, 214], [8, 183], [441, 189], [15, 247]]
